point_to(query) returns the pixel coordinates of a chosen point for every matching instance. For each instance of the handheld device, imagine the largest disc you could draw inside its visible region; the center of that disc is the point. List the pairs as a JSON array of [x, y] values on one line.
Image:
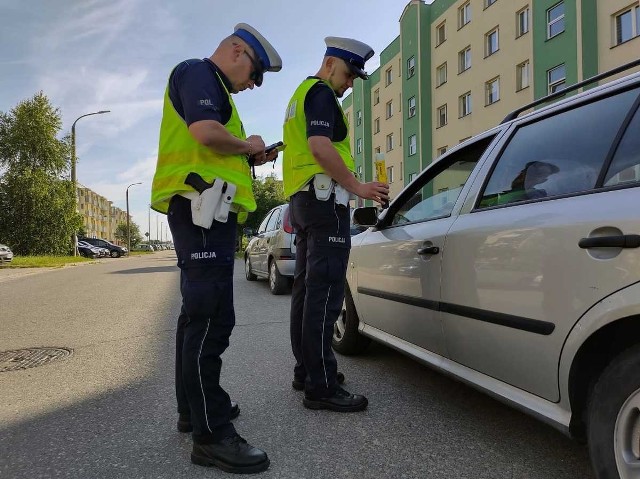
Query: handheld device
[[276, 146]]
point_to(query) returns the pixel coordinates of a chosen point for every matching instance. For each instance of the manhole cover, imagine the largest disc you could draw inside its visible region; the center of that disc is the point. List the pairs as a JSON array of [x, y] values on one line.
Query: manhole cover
[[30, 358]]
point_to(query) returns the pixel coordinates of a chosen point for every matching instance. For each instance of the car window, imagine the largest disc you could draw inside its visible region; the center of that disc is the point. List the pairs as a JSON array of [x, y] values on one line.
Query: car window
[[263, 226], [557, 155], [625, 167], [438, 192], [271, 225]]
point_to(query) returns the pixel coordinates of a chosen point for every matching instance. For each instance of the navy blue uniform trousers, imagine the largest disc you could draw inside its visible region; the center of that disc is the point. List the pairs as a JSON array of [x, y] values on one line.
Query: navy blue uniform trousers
[[322, 252], [207, 317]]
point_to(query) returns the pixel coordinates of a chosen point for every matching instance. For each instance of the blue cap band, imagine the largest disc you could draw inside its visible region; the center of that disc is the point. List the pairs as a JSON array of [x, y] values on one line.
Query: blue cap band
[[356, 60], [256, 45]]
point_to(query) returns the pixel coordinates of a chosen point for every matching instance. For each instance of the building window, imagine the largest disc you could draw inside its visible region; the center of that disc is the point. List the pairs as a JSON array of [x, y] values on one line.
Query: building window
[[522, 22], [491, 42], [556, 78], [412, 177], [376, 96], [492, 91], [390, 174], [390, 142], [412, 107], [441, 74], [441, 151], [442, 116], [377, 149], [388, 75], [411, 67], [360, 171], [359, 118], [376, 126], [464, 15], [627, 25], [488, 3], [441, 33], [389, 109], [359, 145], [464, 59], [464, 104], [522, 75], [555, 20], [413, 145]]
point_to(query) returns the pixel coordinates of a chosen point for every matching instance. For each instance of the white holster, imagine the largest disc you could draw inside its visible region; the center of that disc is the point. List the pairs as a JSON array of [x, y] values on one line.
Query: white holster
[[212, 203]]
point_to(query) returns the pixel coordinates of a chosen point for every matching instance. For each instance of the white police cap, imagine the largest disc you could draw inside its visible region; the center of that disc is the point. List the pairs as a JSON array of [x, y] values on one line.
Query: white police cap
[[353, 52], [267, 55]]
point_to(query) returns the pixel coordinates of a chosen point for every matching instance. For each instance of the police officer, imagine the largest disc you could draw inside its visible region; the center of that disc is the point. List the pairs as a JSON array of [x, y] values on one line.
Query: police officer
[[201, 132], [319, 180]]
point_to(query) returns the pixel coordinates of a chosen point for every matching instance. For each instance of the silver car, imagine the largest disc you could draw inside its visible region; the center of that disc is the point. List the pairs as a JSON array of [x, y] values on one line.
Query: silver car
[[513, 264], [271, 253], [6, 255]]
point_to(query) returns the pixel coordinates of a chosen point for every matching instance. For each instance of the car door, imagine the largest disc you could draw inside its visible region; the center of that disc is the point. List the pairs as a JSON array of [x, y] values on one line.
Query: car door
[[271, 235], [257, 249], [515, 279], [398, 263]]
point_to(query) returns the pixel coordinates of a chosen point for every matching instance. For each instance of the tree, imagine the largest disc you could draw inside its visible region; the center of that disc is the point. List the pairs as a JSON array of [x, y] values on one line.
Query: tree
[[37, 205], [268, 193], [121, 233]]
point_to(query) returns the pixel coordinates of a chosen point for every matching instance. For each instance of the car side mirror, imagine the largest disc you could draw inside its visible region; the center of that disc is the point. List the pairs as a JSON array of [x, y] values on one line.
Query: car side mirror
[[366, 216], [247, 231]]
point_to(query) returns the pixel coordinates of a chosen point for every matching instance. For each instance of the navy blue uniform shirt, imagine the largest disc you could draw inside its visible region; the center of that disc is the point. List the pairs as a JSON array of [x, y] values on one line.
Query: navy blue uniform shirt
[[197, 93], [324, 117]]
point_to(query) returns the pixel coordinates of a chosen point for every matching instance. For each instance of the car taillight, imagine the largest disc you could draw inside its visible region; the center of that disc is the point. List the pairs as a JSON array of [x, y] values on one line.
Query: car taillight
[[287, 223]]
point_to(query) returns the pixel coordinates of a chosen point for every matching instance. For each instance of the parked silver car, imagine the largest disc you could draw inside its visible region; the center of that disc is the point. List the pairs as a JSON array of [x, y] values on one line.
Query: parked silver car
[[271, 253], [513, 263], [6, 255]]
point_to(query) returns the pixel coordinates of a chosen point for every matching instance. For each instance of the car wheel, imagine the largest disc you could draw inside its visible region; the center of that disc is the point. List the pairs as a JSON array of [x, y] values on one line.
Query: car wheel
[[247, 270], [278, 284], [114, 254], [346, 337], [614, 418]]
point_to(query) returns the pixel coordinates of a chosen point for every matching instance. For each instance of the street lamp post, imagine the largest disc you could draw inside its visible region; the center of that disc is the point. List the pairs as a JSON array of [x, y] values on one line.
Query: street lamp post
[[74, 237], [128, 228]]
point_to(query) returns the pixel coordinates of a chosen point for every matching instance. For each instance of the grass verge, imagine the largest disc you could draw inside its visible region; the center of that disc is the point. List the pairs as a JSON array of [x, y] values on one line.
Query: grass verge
[[43, 261]]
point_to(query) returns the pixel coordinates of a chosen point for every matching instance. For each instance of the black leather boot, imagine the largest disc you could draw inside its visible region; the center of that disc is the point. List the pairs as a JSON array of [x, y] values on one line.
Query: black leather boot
[[231, 454], [341, 401]]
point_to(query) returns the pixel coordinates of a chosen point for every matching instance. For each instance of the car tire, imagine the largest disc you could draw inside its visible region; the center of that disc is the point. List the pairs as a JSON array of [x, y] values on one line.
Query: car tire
[[247, 270], [614, 418], [347, 339], [114, 254], [278, 284]]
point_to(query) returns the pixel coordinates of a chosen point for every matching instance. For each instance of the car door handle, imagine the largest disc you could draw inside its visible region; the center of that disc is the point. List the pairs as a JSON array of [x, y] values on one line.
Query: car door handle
[[429, 250], [620, 241]]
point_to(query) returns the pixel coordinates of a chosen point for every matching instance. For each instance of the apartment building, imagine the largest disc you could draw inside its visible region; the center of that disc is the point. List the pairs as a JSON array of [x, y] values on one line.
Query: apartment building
[[459, 67], [100, 218]]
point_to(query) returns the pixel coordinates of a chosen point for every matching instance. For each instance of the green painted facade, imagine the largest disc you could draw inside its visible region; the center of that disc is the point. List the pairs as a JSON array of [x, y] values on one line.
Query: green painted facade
[[551, 52], [589, 38]]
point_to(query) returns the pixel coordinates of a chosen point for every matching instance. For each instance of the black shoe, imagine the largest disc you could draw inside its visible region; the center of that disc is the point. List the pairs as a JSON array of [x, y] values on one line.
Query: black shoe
[[298, 385], [231, 454], [341, 401], [184, 420]]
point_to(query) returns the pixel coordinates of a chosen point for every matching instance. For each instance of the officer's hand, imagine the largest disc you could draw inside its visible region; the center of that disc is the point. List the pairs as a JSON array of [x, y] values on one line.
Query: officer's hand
[[257, 149], [273, 154], [375, 191]]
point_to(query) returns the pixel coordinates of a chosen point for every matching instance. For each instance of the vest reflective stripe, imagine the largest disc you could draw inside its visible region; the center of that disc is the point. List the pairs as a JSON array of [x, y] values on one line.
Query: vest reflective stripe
[[299, 164], [179, 154]]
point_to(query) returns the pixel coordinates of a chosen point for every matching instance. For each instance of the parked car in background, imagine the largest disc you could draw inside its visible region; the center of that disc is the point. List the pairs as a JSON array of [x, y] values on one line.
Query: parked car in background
[[115, 251], [513, 264], [271, 253], [89, 251], [144, 247], [6, 255]]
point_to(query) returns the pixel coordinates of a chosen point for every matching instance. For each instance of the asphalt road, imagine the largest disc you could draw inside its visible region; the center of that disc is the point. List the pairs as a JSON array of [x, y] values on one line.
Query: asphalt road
[[108, 411]]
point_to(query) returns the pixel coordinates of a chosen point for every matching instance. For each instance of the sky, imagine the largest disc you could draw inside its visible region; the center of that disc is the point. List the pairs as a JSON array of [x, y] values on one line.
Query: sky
[[91, 55]]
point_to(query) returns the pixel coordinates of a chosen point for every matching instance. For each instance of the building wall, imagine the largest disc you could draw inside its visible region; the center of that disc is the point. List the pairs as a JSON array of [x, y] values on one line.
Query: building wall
[[99, 217], [586, 46]]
